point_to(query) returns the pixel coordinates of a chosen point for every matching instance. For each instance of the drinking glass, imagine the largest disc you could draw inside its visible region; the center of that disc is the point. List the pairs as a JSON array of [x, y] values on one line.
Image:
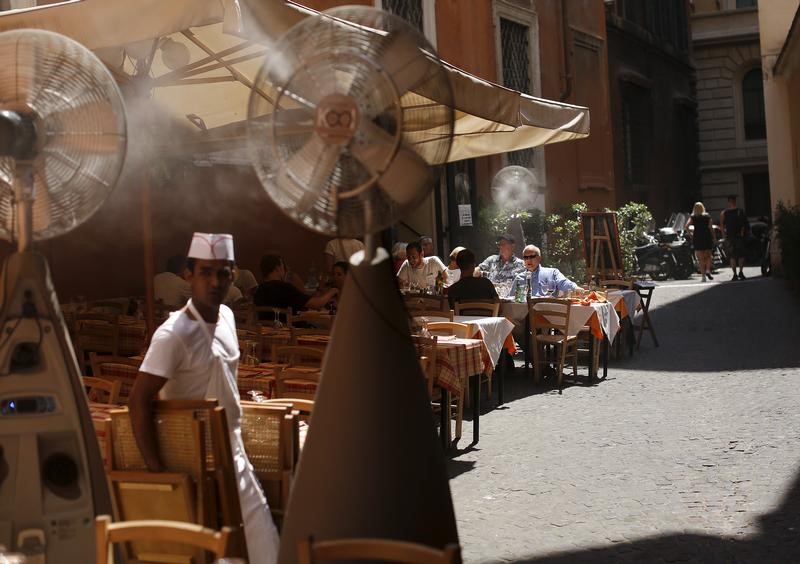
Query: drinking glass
[[252, 357], [276, 324], [548, 288]]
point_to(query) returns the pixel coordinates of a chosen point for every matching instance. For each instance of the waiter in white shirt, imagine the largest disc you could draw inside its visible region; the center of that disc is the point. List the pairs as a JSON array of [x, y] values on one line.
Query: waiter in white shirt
[[195, 354]]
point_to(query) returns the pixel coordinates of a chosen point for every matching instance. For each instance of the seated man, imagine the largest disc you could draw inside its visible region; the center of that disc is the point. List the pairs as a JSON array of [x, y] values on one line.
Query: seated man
[[169, 286], [504, 266], [537, 275], [418, 270], [470, 287], [276, 292]]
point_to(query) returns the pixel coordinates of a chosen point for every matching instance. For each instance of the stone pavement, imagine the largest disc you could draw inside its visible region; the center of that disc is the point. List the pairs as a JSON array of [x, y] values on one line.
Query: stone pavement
[[687, 452]]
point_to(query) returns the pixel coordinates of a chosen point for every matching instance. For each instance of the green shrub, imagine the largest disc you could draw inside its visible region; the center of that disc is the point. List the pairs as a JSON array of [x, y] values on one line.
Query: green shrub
[[564, 247], [633, 221], [788, 227]]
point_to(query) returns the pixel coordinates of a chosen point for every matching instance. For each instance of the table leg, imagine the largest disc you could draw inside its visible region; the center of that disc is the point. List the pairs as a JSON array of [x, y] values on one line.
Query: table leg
[[444, 420], [605, 358], [526, 351], [501, 377], [476, 408]]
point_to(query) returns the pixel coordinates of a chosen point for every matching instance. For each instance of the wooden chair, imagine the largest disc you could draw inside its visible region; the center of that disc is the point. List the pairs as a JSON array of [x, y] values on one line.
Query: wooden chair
[[292, 355], [296, 334], [193, 440], [426, 302], [481, 308], [243, 314], [116, 369], [549, 320], [302, 407], [448, 315], [382, 550], [102, 391], [318, 319], [157, 531], [460, 330], [270, 436], [296, 378], [427, 347], [109, 307], [617, 283], [95, 333], [267, 315]]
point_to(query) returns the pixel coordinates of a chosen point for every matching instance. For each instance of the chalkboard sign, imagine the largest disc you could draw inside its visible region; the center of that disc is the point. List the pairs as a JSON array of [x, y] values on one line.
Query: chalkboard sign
[[601, 247]]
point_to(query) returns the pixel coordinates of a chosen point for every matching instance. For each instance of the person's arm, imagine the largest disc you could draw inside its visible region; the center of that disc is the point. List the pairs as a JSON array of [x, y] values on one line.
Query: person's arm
[[140, 406], [722, 224], [316, 302], [402, 274], [687, 224], [712, 230], [563, 284]]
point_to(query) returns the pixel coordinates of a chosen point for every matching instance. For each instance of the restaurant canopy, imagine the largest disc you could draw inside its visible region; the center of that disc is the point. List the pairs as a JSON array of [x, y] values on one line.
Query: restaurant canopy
[[196, 60]]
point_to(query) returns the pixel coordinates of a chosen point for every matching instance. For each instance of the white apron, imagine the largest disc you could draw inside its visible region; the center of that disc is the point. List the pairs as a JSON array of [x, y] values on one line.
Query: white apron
[[259, 529]]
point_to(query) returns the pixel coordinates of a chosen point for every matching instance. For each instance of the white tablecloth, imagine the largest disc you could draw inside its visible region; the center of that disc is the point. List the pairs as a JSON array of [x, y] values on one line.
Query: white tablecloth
[[631, 297], [493, 331], [578, 317]]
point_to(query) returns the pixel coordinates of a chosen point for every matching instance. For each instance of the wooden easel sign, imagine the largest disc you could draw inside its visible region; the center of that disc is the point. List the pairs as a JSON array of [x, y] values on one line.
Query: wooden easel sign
[[601, 247]]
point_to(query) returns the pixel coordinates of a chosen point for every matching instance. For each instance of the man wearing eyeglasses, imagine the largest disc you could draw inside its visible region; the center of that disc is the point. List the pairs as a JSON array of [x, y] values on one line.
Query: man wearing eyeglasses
[[537, 277]]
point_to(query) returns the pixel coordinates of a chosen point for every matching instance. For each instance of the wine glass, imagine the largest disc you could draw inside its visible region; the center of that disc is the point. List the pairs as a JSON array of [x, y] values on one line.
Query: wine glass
[[548, 288], [276, 323]]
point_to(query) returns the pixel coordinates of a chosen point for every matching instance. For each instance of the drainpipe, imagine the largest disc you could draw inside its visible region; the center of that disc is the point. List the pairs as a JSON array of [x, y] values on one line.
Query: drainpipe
[[566, 72]]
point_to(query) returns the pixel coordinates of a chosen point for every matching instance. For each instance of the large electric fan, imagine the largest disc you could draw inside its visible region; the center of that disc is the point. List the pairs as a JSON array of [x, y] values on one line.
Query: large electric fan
[[62, 145], [359, 108]]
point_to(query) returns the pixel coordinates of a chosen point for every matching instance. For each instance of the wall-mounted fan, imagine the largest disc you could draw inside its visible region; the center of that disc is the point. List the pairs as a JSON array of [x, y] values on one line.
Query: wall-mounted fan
[[359, 109], [62, 145], [516, 188]]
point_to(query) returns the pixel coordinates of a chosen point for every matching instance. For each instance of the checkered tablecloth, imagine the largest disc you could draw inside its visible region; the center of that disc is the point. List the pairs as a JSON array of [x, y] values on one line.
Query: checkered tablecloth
[[457, 360], [261, 379]]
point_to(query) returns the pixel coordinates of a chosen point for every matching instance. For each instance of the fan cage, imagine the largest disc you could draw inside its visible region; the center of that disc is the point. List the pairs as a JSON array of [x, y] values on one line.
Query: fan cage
[[404, 107], [81, 130]]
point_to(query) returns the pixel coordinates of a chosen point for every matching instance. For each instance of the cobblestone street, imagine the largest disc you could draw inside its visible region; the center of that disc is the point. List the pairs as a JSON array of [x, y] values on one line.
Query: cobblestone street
[[687, 452]]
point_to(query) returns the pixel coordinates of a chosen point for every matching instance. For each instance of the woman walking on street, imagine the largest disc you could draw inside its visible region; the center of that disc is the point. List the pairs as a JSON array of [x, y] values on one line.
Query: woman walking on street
[[704, 238]]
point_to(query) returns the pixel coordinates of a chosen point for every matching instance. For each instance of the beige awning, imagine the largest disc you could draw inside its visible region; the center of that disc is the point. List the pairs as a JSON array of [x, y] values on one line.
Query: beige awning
[[211, 87]]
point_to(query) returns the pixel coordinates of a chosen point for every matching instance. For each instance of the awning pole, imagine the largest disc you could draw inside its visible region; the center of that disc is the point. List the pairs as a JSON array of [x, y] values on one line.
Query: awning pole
[[149, 261]]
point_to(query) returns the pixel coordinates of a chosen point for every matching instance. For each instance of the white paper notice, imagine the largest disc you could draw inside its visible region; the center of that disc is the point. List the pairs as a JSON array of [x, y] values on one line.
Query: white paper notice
[[464, 215]]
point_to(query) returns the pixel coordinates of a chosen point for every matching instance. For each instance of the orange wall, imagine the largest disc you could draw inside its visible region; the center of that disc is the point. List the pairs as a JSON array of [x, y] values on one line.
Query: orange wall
[[578, 171]]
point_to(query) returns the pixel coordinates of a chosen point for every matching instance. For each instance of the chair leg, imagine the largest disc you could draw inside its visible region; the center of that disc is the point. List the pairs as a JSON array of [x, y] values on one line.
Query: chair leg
[[537, 367], [561, 361]]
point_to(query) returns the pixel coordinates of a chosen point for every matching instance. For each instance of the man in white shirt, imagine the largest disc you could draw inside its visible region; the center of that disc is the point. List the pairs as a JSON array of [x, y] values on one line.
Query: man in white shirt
[[340, 250], [418, 271], [194, 354], [170, 287]]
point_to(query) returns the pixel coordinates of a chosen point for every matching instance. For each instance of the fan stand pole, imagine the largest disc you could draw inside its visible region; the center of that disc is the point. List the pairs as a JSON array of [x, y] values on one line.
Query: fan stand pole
[[370, 241], [23, 193]]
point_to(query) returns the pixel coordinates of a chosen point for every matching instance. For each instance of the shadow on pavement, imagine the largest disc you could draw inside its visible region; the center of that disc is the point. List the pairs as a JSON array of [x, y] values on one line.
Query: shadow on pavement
[[778, 540]]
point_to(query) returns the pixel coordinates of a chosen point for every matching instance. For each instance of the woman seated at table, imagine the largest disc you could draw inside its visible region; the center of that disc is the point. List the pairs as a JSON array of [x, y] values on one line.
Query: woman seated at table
[[276, 292], [470, 287], [452, 272], [538, 280]]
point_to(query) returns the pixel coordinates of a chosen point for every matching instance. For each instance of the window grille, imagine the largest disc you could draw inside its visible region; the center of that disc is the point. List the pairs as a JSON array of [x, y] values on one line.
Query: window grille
[[515, 50], [409, 10]]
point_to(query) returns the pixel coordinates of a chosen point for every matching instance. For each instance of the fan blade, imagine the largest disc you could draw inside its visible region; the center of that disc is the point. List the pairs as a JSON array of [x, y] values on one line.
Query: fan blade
[[305, 174], [93, 126], [402, 176], [17, 71], [403, 61]]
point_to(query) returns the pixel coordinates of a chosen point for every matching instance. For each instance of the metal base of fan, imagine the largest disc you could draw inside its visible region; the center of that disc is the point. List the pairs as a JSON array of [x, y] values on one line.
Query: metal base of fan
[[52, 482], [371, 465]]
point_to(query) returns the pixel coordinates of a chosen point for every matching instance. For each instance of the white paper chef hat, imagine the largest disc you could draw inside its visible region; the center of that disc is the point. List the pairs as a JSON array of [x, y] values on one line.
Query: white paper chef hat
[[212, 246]]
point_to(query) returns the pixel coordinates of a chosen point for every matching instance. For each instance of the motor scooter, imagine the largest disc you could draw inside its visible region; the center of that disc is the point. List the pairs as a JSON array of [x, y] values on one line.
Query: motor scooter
[[680, 246], [655, 259]]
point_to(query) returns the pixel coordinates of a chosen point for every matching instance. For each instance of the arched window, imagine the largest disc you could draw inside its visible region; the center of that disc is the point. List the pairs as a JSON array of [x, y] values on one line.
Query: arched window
[[755, 123]]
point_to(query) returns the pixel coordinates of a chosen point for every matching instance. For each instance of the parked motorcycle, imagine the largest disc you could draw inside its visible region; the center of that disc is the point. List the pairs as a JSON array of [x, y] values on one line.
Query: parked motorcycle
[[655, 259], [679, 245]]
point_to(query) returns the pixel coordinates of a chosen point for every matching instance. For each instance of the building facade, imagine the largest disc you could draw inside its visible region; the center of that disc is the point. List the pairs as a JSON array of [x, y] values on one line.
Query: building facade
[[653, 104], [731, 115]]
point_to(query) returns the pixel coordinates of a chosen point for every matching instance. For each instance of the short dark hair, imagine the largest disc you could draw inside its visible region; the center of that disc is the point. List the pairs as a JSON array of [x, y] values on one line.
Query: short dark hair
[[269, 263], [506, 237], [190, 262], [176, 264], [465, 259], [732, 197], [414, 245], [343, 264]]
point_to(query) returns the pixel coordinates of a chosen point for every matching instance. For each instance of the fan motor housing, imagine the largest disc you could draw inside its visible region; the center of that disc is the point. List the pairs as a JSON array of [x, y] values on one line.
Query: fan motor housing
[[18, 135]]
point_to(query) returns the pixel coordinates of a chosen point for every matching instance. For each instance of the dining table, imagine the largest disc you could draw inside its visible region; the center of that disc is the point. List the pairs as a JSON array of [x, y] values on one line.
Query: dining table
[[460, 363]]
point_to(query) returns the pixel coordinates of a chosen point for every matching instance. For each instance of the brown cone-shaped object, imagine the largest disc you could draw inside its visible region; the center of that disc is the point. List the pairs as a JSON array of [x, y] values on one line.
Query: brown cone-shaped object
[[371, 465]]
